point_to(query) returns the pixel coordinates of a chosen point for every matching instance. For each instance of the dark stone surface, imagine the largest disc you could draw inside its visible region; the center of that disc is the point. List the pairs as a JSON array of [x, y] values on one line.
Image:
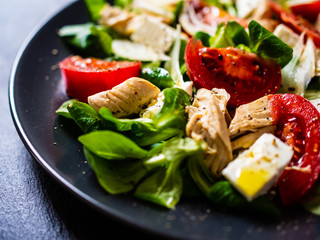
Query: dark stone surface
[[32, 204]]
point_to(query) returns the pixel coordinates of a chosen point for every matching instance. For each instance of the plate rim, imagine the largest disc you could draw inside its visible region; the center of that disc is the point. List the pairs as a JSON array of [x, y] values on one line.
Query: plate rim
[[88, 200]]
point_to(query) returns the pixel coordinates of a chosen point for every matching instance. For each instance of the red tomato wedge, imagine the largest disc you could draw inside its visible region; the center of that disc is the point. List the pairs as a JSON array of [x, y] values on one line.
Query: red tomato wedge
[[245, 76], [308, 10], [87, 76], [298, 124], [296, 23]]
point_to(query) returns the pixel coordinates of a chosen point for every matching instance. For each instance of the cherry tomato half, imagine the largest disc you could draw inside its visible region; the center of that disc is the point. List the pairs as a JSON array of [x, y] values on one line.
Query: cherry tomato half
[[296, 23], [298, 124], [308, 10], [87, 76], [245, 76]]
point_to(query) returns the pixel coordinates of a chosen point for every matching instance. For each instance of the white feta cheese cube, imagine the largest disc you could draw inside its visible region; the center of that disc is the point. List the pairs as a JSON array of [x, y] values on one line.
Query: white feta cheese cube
[[257, 169]]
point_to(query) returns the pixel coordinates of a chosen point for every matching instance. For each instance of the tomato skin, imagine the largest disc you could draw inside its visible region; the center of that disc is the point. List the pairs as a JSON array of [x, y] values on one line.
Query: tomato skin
[[298, 124], [296, 23], [87, 76], [245, 76], [308, 10]]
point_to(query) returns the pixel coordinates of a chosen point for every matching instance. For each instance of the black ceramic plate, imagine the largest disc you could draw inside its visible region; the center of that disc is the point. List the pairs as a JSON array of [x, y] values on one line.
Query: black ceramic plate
[[36, 91]]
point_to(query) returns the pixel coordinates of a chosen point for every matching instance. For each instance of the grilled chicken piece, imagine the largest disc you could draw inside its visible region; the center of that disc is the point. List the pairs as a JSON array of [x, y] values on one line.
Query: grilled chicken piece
[[222, 98], [250, 118], [118, 19], [163, 9], [249, 139], [127, 98], [207, 123]]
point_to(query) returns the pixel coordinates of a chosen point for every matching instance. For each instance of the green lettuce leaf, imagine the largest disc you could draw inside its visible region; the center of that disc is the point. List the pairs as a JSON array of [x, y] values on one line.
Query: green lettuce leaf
[[173, 114], [85, 116], [312, 202], [157, 76], [87, 39], [259, 41], [116, 176], [165, 185], [63, 109], [94, 8], [140, 130], [223, 194], [267, 45], [112, 145]]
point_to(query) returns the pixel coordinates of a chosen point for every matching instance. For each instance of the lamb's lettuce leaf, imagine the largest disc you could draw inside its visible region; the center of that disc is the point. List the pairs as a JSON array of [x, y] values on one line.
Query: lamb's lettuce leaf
[[84, 116], [63, 109], [157, 76], [223, 194], [203, 37], [311, 201], [112, 145], [87, 39], [230, 35], [173, 114], [177, 12], [200, 173], [124, 124], [123, 3], [259, 40], [116, 176], [268, 45], [140, 130], [165, 185], [94, 8]]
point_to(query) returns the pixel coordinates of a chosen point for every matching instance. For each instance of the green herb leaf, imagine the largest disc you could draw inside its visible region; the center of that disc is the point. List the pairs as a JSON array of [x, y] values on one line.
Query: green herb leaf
[[87, 39], [312, 201], [122, 124], [140, 130], [85, 116], [203, 37], [177, 11], [221, 39], [123, 3], [172, 114], [267, 45], [165, 186], [116, 176], [63, 109], [94, 8], [112, 145], [223, 194], [200, 173], [157, 76]]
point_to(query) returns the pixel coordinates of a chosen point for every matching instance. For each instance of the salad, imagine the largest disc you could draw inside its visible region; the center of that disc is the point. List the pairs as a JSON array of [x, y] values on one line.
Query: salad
[[199, 98]]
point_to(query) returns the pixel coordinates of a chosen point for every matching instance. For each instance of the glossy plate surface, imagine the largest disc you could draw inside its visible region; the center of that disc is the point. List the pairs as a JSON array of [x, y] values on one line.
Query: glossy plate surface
[[36, 91]]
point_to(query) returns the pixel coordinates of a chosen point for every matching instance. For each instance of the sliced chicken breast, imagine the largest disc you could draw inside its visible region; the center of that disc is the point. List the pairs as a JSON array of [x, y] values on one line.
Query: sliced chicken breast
[[207, 123], [250, 117], [127, 98]]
